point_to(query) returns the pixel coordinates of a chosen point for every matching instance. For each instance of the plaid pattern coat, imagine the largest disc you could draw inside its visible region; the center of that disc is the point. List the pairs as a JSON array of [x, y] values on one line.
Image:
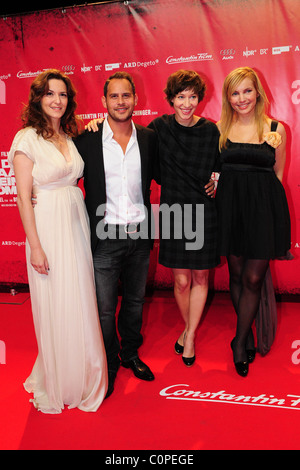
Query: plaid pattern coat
[[188, 156]]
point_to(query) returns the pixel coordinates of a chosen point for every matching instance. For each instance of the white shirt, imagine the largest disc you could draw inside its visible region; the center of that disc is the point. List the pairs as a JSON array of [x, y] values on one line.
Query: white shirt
[[123, 178]]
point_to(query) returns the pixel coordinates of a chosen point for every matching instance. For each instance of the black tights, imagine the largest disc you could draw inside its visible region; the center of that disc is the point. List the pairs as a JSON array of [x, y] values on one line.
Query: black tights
[[246, 280]]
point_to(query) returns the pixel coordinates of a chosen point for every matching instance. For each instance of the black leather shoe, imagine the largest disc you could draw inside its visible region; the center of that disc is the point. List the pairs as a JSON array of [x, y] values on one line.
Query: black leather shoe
[[178, 348], [139, 368], [111, 383]]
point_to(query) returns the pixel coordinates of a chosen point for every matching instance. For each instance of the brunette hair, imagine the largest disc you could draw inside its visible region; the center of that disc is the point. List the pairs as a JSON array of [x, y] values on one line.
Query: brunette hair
[[33, 115], [231, 82], [119, 76], [183, 80]]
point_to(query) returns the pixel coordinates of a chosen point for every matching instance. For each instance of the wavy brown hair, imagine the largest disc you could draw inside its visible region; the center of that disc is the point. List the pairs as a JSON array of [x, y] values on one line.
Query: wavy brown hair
[[33, 115]]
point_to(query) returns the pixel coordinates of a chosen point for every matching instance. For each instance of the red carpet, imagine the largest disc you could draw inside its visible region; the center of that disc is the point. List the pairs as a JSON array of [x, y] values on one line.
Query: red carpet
[[224, 411]]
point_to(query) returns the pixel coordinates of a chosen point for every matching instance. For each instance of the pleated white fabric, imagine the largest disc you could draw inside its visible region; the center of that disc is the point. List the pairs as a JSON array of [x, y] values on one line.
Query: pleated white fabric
[[71, 367]]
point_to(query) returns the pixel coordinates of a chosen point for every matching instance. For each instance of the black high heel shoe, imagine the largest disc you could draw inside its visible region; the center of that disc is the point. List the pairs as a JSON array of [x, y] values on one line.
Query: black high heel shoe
[[242, 368], [188, 361], [178, 348], [251, 355], [250, 351]]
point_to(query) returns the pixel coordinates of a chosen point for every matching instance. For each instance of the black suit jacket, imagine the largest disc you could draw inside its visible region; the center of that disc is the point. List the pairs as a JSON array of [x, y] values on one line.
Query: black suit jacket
[[89, 145]]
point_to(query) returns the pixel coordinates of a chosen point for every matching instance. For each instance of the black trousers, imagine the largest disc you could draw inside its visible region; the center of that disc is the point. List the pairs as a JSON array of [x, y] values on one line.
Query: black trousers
[[126, 260]]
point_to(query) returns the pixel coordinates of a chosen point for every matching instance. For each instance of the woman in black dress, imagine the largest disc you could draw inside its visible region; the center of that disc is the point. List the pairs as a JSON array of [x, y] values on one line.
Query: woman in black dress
[[188, 153], [254, 222]]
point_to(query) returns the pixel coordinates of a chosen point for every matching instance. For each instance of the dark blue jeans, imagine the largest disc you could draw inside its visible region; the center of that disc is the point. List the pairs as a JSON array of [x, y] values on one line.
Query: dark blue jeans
[[126, 260]]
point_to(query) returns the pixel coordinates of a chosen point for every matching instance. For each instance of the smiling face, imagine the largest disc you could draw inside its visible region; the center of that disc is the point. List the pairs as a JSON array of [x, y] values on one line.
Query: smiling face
[[54, 103], [120, 100], [185, 104], [243, 97]]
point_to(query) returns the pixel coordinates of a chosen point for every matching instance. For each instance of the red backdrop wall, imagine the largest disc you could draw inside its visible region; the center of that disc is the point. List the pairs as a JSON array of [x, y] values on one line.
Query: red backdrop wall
[[151, 39]]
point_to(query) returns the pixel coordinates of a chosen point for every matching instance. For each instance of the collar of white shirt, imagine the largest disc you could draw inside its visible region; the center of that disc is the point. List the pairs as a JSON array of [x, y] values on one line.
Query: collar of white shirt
[[107, 134]]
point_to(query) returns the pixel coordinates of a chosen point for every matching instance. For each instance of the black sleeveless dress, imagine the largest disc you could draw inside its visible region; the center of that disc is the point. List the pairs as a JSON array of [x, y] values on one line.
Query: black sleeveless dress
[[253, 213]]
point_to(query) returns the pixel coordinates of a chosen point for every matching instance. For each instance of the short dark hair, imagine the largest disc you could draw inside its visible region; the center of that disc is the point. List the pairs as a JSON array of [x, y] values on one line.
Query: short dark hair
[[183, 80], [119, 76]]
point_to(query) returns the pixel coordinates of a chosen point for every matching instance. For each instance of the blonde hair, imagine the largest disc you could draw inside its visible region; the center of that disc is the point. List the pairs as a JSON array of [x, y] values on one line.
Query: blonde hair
[[231, 82]]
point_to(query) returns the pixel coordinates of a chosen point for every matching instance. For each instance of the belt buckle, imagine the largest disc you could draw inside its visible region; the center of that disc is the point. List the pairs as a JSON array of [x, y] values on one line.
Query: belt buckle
[[127, 229]]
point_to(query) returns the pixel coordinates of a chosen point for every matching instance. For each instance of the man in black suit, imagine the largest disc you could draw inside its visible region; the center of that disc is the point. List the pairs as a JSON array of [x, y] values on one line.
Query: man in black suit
[[120, 162]]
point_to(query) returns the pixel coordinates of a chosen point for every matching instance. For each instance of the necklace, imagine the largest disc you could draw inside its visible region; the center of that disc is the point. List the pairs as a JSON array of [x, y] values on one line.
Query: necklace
[[60, 142]]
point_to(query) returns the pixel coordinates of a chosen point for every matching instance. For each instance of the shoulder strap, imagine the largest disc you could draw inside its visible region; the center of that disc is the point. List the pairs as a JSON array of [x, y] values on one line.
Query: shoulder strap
[[274, 125]]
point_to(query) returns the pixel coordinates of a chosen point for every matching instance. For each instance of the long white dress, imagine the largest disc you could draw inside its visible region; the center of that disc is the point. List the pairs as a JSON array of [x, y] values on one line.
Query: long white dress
[[71, 367]]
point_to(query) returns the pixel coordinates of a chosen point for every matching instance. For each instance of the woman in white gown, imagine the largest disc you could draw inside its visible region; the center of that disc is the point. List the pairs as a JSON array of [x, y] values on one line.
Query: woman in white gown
[[71, 367]]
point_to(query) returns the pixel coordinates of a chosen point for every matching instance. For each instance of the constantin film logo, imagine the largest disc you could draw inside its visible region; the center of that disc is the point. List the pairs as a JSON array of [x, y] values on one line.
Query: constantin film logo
[[198, 57], [183, 392]]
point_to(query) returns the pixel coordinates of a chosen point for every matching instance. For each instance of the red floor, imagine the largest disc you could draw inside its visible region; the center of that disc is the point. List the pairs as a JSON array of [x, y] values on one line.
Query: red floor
[[228, 412]]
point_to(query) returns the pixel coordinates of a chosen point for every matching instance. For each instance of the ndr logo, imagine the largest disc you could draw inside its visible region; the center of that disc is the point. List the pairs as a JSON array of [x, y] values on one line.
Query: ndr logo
[[2, 353]]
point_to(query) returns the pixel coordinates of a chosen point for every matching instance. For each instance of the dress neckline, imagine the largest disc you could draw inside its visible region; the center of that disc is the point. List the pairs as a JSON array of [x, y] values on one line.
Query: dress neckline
[[67, 162], [247, 143], [273, 128], [200, 120]]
